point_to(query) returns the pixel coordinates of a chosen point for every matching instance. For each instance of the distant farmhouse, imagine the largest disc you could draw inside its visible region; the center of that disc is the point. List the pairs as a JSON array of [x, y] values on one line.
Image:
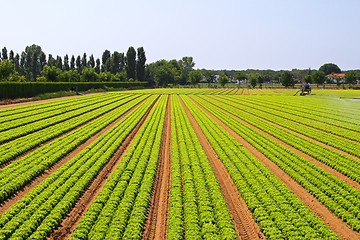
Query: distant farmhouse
[[332, 78]]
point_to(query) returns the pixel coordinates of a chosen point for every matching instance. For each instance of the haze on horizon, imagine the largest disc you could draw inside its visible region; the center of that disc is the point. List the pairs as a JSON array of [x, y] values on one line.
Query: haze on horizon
[[227, 34]]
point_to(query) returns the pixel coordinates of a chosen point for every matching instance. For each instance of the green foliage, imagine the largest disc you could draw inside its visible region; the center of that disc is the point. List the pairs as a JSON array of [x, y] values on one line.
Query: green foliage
[[131, 63], [51, 74], [287, 79], [308, 79], [7, 69], [329, 68], [195, 77], [163, 74], [89, 75], [253, 80], [318, 77], [223, 79], [350, 77], [186, 65], [209, 76], [140, 64]]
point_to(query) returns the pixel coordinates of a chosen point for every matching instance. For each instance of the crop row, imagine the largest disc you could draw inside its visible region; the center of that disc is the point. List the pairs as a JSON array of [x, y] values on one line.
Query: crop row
[[331, 140], [25, 118], [17, 174], [15, 148], [278, 212], [119, 210], [13, 133], [344, 120], [307, 120], [338, 196], [204, 209], [37, 106], [342, 163], [40, 211]]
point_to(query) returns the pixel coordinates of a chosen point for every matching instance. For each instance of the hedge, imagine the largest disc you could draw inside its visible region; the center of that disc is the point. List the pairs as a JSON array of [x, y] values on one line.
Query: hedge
[[11, 90]]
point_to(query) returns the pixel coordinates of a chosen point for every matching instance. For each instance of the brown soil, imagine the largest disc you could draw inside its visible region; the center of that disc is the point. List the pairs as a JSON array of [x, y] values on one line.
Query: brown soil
[[20, 194], [61, 135], [157, 219], [249, 92], [330, 125], [242, 92], [236, 91], [26, 101], [333, 222], [255, 92], [299, 134], [245, 225], [70, 221]]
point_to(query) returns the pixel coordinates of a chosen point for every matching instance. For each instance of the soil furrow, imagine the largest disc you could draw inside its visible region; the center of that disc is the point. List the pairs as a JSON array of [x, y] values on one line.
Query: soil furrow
[[299, 134], [156, 223], [334, 172], [333, 222], [61, 135], [71, 220], [245, 225], [20, 194]]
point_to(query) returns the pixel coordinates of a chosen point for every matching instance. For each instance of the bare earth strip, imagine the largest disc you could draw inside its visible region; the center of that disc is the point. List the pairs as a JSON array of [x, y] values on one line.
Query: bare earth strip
[[157, 219], [20, 194], [61, 135], [333, 222], [40, 101], [236, 91], [71, 220], [334, 172], [299, 134], [245, 225]]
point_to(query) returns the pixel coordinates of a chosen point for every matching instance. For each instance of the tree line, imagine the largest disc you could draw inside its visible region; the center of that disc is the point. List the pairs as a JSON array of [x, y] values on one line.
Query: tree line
[[34, 65]]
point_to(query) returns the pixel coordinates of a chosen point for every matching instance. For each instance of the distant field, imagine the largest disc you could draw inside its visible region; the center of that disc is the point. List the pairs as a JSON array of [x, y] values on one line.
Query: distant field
[[182, 163]]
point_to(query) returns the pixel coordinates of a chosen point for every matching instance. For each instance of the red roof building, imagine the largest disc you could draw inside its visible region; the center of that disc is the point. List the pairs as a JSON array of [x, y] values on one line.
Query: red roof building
[[334, 75]]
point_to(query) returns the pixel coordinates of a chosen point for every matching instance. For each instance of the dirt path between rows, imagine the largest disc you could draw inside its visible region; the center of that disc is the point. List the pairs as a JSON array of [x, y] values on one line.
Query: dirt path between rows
[[328, 124], [157, 219], [236, 91], [333, 222], [245, 225], [40, 101], [299, 134], [20, 194], [71, 220], [327, 168], [61, 135]]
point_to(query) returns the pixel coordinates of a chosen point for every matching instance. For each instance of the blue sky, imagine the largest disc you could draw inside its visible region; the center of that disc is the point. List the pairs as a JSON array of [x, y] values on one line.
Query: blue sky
[[226, 34]]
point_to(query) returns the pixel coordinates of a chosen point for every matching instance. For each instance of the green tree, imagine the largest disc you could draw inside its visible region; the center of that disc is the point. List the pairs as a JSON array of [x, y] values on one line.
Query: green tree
[[350, 77], [84, 61], [260, 80], [51, 73], [329, 68], [78, 64], [4, 54], [209, 77], [187, 64], [115, 63], [97, 66], [140, 64], [318, 77], [51, 61], [42, 59], [11, 55], [7, 68], [287, 79], [223, 79], [105, 61], [59, 64], [89, 75], [131, 63], [69, 76], [308, 79], [195, 77], [72, 63], [91, 62], [162, 75], [17, 63], [66, 63], [240, 76], [253, 80]]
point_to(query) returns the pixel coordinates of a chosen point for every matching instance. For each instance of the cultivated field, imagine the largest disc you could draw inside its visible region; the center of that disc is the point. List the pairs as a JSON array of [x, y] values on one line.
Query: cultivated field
[[182, 164]]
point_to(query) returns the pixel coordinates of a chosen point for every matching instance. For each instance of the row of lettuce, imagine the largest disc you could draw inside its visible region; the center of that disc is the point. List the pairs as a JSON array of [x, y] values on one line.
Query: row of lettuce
[[341, 198], [41, 210]]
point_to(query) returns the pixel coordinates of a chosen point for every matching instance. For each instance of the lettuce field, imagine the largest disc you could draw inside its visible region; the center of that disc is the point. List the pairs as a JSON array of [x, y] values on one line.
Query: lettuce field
[[182, 164]]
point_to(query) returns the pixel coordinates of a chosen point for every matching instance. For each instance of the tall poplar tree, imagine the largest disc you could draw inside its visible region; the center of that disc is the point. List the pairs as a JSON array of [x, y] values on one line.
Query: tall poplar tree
[[131, 63], [140, 64]]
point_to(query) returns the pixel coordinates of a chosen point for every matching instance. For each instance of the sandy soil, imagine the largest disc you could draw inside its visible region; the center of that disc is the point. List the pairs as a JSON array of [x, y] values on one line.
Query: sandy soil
[[20, 194], [156, 223], [245, 225], [69, 223], [333, 222]]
